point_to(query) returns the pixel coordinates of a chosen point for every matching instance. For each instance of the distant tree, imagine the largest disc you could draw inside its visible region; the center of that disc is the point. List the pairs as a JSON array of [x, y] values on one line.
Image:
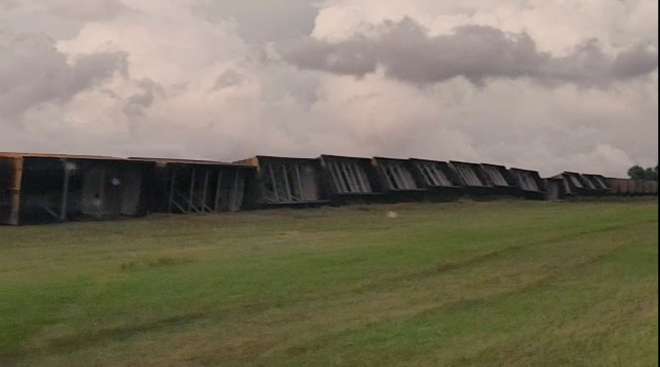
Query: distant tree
[[637, 172]]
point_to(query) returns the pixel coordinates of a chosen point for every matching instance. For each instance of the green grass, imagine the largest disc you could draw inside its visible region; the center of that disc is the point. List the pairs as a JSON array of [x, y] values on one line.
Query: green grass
[[457, 284]]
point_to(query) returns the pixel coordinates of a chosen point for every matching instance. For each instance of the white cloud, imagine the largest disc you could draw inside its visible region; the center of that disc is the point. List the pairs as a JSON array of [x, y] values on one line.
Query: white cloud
[[191, 79]]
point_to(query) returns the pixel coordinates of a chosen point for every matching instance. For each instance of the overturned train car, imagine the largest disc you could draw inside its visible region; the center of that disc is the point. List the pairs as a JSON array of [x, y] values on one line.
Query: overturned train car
[[485, 180], [529, 183], [42, 188], [471, 177], [350, 179], [500, 179], [287, 181], [197, 186], [439, 179], [572, 184], [398, 179]]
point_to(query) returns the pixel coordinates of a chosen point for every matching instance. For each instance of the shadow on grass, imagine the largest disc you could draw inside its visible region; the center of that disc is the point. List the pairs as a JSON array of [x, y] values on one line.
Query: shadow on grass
[[89, 338], [158, 262]]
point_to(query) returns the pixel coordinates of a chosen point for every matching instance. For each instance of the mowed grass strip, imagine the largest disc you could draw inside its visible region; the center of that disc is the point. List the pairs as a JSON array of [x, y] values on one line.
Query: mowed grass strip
[[499, 283]]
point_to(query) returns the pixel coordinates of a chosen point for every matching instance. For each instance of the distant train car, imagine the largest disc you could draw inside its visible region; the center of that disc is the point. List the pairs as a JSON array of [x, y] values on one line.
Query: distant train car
[[618, 186], [480, 180], [287, 181], [650, 187], [197, 186], [529, 182], [398, 180], [471, 177], [438, 177], [633, 187], [597, 183], [630, 187], [498, 177], [574, 184], [41, 188], [350, 179], [556, 188]]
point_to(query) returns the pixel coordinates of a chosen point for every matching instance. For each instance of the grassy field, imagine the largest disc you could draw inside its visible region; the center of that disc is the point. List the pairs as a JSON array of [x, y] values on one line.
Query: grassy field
[[457, 284]]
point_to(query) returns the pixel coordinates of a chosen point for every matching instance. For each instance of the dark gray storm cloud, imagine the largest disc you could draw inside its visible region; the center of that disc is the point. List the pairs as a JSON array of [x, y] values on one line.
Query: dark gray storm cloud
[[407, 52], [33, 71]]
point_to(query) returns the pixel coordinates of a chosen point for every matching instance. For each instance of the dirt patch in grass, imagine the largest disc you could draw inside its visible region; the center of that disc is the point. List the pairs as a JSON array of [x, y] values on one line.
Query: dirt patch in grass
[[155, 262]]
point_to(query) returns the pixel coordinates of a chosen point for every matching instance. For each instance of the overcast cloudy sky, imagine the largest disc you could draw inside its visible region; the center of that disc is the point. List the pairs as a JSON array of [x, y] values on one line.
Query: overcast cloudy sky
[[553, 85]]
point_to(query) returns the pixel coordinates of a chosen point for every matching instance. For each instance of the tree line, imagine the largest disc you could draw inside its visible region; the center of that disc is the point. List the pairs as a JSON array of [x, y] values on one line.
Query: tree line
[[637, 172]]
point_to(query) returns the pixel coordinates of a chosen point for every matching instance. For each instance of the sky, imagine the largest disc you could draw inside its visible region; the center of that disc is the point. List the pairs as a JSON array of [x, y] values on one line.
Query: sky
[[548, 85]]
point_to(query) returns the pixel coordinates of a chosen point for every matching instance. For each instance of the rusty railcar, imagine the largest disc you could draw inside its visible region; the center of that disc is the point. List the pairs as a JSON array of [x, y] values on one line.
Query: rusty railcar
[[618, 186], [630, 187]]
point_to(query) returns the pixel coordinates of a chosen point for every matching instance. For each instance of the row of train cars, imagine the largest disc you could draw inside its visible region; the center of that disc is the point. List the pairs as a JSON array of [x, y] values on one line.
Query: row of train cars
[[42, 188]]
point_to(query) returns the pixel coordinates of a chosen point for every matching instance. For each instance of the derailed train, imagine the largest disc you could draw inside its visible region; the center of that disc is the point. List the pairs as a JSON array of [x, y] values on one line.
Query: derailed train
[[41, 188]]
